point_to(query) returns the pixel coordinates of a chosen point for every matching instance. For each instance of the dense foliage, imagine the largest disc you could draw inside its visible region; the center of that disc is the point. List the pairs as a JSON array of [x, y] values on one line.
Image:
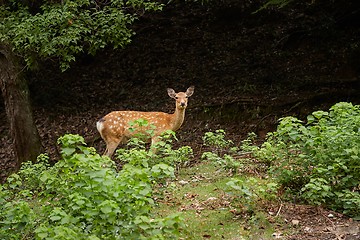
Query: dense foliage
[[63, 29], [84, 197], [250, 191], [161, 151], [318, 160]]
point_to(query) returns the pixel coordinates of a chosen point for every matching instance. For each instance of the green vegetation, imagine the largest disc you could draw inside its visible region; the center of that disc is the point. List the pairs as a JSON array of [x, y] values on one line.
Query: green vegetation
[[230, 193], [62, 30], [216, 201], [33, 32], [215, 204], [318, 160], [83, 197]]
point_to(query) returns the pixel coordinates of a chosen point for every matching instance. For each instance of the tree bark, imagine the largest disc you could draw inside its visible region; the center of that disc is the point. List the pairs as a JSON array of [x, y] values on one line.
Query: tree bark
[[26, 140]]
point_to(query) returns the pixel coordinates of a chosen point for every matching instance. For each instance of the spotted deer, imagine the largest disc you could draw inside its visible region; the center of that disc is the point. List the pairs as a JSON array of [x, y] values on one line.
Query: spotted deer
[[114, 128]]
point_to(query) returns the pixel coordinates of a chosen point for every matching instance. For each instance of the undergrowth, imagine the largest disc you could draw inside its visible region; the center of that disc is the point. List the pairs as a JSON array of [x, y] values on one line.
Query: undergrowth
[[83, 197], [155, 195], [318, 161]]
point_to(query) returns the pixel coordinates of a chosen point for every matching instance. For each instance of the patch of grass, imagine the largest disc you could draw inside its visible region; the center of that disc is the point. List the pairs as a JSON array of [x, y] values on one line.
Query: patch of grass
[[214, 224], [208, 210]]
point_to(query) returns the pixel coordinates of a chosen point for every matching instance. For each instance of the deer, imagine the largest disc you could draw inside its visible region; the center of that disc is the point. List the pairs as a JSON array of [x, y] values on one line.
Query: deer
[[115, 127]]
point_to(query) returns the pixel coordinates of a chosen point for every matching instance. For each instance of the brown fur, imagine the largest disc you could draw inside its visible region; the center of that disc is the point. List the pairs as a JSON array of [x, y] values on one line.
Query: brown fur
[[114, 127]]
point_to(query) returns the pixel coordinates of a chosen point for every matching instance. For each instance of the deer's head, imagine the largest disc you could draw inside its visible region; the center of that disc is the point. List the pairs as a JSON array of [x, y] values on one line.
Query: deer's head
[[181, 97]]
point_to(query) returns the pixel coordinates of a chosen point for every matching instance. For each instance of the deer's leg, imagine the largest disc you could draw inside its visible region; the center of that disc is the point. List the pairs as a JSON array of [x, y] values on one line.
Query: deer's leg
[[153, 146], [111, 146]]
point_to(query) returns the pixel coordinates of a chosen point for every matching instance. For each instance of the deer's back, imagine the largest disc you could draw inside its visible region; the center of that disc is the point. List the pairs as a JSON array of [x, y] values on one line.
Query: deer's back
[[122, 123]]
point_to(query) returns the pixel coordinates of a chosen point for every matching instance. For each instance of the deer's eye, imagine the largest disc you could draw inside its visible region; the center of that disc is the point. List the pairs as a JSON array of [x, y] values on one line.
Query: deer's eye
[[176, 97]]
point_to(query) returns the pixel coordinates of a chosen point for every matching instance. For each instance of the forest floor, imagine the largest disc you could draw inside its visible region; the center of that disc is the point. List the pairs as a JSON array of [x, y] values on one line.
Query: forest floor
[[248, 70], [214, 211]]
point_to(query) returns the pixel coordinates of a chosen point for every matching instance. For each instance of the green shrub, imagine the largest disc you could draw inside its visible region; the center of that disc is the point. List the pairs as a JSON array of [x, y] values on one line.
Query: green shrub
[[221, 151], [226, 162], [319, 159], [252, 192], [83, 197], [216, 139], [64, 29], [161, 152]]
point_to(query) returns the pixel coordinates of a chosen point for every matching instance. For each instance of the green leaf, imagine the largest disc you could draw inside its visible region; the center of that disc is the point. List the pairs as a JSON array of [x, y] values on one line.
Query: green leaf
[[67, 151], [106, 209], [55, 218]]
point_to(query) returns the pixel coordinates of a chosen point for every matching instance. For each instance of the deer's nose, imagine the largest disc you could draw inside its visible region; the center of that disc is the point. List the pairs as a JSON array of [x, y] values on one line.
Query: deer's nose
[[182, 104]]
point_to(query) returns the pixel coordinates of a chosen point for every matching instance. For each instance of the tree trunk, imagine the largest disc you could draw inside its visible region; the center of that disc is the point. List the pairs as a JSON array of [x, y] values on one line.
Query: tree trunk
[[26, 140]]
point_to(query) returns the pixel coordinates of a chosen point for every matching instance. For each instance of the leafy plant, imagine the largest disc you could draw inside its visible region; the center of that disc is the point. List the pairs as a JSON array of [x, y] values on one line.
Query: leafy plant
[[247, 144], [227, 161], [319, 159], [142, 131], [161, 152], [251, 192], [83, 197], [221, 150], [216, 139], [62, 30]]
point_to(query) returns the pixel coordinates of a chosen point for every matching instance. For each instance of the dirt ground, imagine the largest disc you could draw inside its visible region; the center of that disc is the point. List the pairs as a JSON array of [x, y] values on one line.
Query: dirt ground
[[248, 71], [310, 223]]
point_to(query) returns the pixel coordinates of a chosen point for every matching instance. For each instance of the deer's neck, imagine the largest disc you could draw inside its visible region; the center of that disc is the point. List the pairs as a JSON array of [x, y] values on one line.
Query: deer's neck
[[177, 118]]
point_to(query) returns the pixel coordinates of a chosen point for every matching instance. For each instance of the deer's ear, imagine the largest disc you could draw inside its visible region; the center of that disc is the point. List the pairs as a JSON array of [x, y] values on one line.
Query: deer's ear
[[171, 92], [190, 91]]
